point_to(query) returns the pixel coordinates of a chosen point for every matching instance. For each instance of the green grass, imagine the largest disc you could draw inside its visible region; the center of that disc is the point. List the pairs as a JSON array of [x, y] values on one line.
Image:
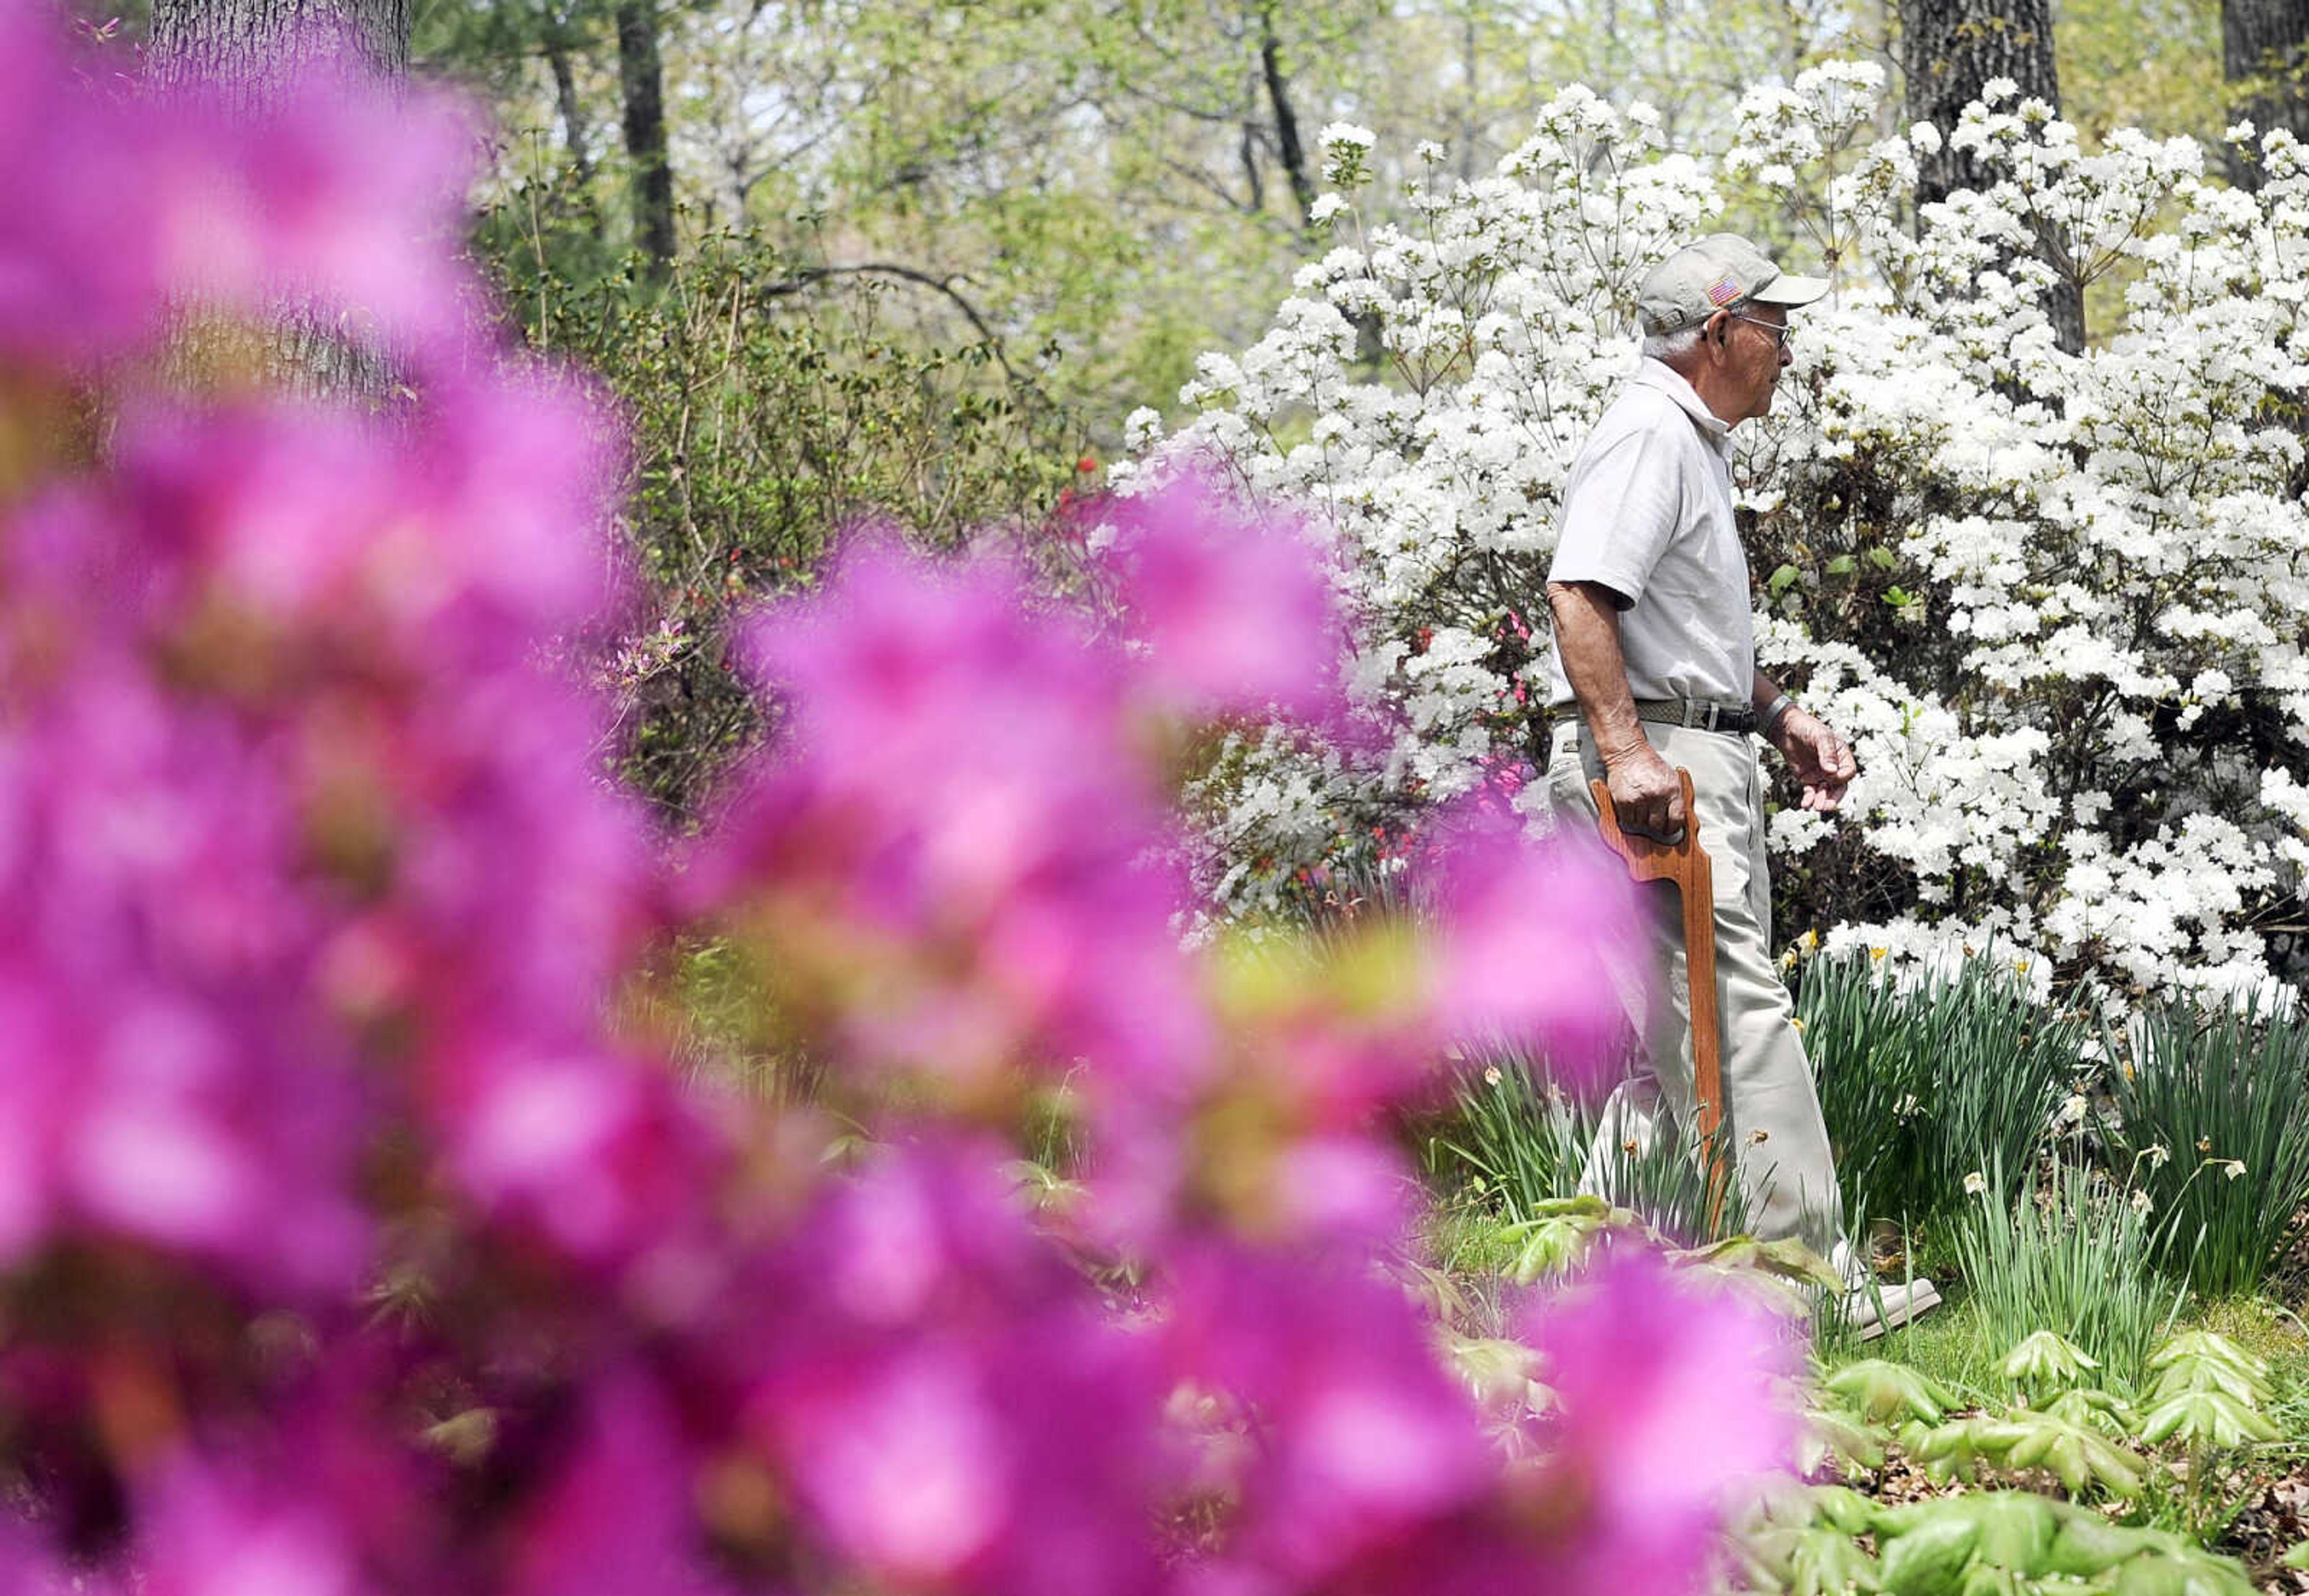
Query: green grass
[[2075, 1257], [2212, 1111], [1515, 1141], [1925, 1084]]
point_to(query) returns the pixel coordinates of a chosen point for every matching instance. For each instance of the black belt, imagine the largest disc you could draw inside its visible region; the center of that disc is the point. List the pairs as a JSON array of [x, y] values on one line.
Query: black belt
[[1698, 714]]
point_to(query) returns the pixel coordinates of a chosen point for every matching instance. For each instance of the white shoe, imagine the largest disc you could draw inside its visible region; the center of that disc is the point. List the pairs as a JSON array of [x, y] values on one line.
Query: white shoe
[[1870, 1309]]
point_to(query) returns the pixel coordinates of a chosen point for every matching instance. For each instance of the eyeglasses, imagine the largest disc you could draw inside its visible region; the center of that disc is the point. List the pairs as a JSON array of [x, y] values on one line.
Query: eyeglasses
[[1780, 330]]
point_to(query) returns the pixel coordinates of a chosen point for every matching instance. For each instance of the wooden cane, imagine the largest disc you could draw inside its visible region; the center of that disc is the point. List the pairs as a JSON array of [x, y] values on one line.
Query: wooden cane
[[1685, 862]]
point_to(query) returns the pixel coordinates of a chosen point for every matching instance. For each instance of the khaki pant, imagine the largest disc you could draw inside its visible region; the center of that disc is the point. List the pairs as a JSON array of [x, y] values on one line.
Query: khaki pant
[[1772, 1111]]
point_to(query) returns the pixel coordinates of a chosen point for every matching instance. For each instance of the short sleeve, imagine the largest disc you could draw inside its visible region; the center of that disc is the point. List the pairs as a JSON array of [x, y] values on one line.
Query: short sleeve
[[1620, 509]]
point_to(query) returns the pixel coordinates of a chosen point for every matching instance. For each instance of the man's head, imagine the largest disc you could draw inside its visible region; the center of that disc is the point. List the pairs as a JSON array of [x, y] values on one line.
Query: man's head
[[1717, 311]]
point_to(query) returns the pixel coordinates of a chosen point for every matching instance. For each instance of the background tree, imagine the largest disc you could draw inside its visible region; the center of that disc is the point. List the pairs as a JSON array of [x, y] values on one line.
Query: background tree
[[1950, 51], [248, 52], [245, 44], [640, 79], [2108, 80], [2265, 58]]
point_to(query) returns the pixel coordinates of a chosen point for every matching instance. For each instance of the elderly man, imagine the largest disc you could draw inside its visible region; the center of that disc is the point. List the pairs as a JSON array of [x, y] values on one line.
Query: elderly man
[[1656, 647]]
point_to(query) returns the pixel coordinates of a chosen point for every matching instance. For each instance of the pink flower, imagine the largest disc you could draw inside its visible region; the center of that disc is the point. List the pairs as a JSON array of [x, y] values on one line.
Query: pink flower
[[1358, 1438], [955, 1410], [1668, 1415], [81, 267], [616, 1513], [1537, 945], [337, 190], [28, 1568], [1238, 612], [213, 1529], [955, 800]]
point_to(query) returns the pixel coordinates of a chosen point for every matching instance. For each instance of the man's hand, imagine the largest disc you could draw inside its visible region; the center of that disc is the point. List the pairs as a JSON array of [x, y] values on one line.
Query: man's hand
[[1646, 794], [1823, 765]]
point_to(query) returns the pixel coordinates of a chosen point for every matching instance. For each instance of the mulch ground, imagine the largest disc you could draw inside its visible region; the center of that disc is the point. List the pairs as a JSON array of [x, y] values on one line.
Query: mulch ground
[[2271, 1525]]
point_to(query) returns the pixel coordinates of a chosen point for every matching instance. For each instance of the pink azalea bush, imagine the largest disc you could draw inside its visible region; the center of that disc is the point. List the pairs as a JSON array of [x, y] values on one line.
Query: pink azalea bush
[[348, 1244]]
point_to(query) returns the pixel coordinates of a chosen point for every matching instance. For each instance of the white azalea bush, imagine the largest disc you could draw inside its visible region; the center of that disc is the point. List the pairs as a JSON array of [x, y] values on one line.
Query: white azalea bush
[[2056, 600]]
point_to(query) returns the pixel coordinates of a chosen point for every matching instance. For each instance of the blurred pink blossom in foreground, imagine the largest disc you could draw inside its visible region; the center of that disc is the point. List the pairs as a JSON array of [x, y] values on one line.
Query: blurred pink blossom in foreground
[[348, 1244]]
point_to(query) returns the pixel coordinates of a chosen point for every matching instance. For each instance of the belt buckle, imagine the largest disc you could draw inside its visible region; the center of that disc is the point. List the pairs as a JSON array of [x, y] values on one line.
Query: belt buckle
[[1689, 705]]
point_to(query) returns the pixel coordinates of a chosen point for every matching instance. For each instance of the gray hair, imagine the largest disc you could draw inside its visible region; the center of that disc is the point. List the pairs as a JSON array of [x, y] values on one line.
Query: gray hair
[[1666, 346]]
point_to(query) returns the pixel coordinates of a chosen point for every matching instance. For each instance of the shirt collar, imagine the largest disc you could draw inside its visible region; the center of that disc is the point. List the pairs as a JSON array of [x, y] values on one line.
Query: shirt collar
[[1668, 380]]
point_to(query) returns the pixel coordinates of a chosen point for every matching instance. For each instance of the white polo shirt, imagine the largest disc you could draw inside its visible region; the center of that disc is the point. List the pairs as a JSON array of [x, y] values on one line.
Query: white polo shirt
[[1648, 512]]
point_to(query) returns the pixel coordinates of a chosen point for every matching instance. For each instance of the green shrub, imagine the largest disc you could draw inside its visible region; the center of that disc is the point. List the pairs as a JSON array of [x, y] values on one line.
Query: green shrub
[[762, 422], [2213, 1111]]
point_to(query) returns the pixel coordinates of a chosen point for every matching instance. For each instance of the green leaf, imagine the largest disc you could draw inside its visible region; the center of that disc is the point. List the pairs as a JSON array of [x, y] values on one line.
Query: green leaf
[[1843, 1509], [1831, 1432], [1550, 1245], [2015, 1530], [1881, 1390], [2205, 1418], [2047, 1359], [2086, 1544], [1828, 1562], [1955, 1451], [2077, 1456], [2200, 1360], [1882, 558], [2180, 1571], [1781, 580], [1786, 1259], [1930, 1555], [2090, 1405], [1841, 566]]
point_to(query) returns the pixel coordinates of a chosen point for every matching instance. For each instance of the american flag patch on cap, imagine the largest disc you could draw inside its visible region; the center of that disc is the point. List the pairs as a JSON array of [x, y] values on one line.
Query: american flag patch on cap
[[1722, 291]]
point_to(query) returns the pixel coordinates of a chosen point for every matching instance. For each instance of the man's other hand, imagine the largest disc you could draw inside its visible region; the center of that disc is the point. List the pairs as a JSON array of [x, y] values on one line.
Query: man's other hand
[[1646, 794], [1823, 765]]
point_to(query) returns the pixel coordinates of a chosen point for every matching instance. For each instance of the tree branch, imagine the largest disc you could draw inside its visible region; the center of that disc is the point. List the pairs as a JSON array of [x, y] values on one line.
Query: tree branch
[[810, 277]]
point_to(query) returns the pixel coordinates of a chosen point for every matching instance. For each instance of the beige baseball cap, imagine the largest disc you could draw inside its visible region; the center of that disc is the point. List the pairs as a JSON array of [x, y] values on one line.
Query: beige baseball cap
[[1721, 271]]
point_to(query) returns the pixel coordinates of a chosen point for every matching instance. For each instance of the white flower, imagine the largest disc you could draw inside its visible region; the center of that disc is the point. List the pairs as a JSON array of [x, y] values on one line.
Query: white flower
[[2232, 1167], [2141, 1203], [2020, 740], [1975, 1183]]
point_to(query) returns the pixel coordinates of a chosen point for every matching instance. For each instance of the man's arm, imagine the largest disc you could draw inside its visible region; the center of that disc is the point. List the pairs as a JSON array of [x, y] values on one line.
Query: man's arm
[[1645, 791], [1823, 765]]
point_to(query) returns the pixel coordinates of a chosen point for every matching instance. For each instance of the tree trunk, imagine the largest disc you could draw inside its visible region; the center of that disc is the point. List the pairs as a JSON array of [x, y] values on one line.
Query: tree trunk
[[641, 76], [245, 51], [2265, 57], [1949, 51], [574, 130], [242, 47], [1286, 119]]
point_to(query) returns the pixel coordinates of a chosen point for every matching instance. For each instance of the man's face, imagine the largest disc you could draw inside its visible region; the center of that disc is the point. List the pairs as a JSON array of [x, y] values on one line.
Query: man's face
[[1756, 350]]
